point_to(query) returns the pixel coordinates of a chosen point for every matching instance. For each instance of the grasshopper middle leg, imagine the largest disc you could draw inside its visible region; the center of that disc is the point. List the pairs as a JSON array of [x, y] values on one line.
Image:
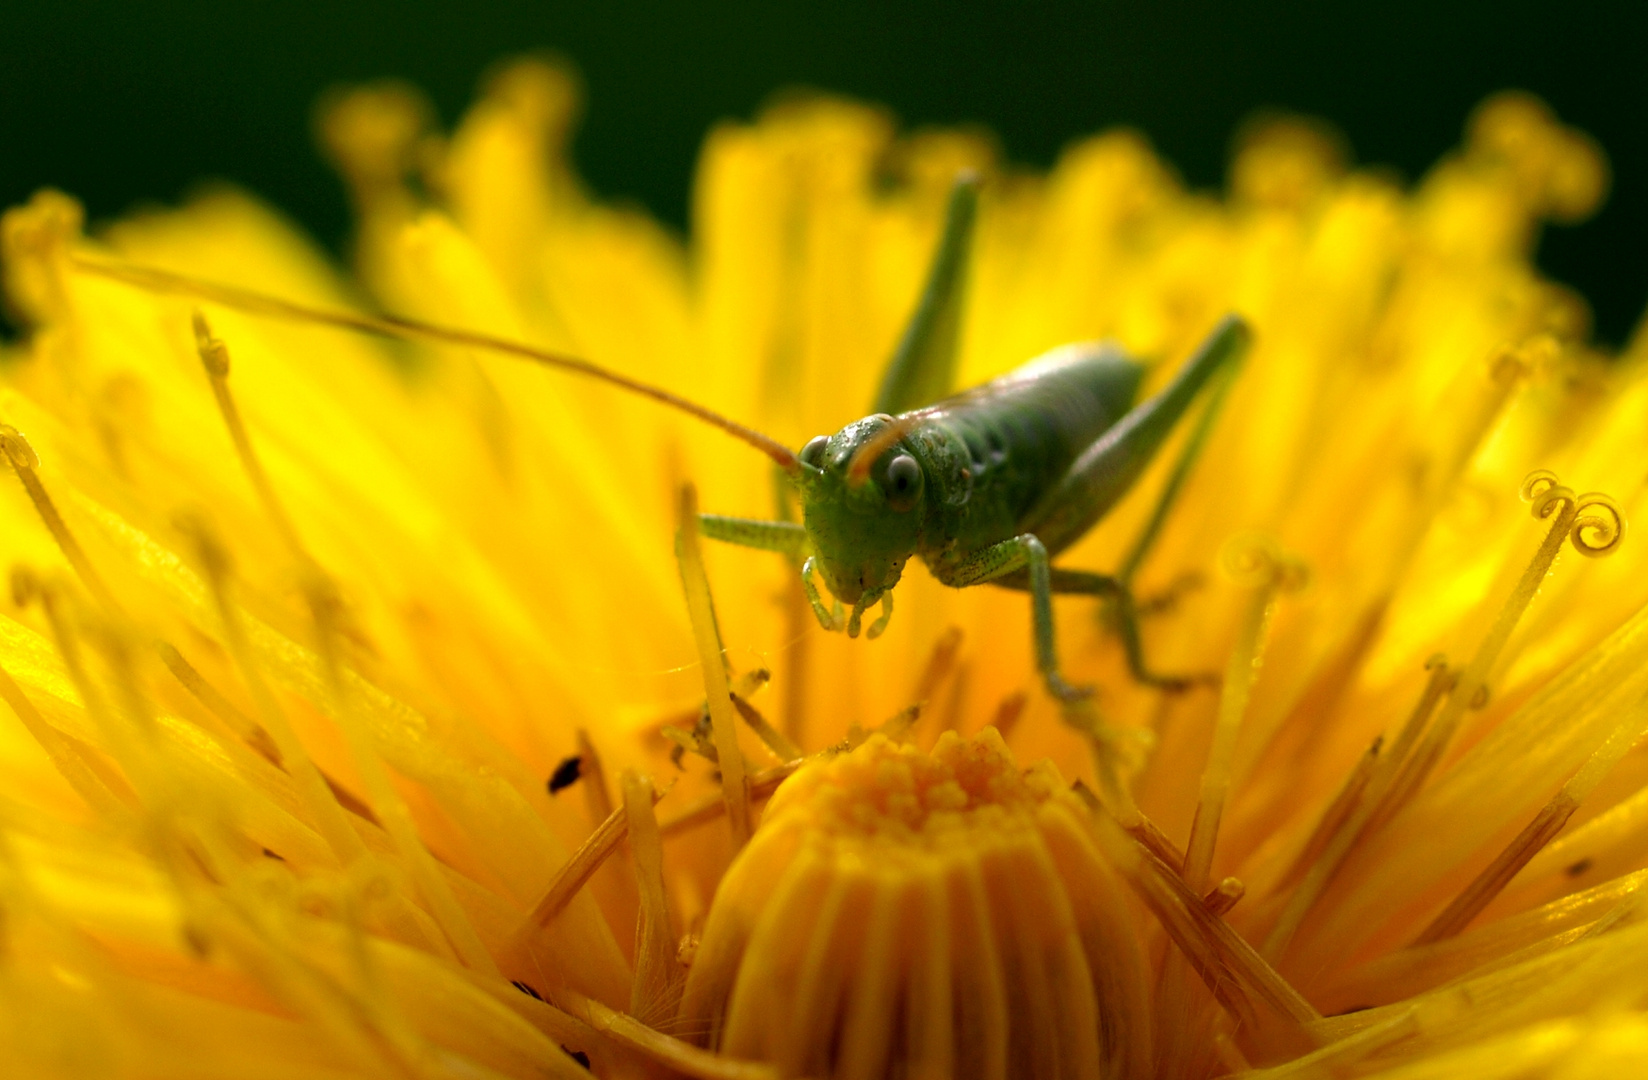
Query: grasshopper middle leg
[[1022, 563], [1124, 617]]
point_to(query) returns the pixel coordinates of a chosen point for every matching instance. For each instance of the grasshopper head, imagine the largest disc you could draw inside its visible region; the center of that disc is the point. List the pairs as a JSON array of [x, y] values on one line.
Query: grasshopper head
[[862, 534]]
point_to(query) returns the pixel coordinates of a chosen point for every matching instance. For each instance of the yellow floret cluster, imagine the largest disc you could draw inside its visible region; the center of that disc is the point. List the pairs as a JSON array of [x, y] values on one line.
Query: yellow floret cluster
[[302, 619]]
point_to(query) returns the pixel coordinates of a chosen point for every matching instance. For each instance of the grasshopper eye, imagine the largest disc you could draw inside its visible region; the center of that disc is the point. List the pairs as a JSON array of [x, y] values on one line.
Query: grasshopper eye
[[813, 453], [903, 483]]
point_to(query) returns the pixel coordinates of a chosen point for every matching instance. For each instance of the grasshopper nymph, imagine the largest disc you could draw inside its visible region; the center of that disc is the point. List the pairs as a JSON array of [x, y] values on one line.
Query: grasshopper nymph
[[985, 486]]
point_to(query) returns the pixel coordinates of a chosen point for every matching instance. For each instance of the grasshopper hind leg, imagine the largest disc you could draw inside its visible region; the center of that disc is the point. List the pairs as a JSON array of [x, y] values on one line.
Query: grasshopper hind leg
[[1122, 609], [1123, 615], [1022, 563], [1165, 600]]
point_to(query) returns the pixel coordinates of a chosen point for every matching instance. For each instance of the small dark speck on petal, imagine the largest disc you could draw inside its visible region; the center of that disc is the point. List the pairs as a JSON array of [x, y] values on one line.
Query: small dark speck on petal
[[579, 1056], [565, 774], [1578, 868], [525, 989]]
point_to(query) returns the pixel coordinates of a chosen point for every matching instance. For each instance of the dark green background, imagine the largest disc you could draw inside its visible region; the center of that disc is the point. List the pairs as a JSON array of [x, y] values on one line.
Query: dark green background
[[123, 102]]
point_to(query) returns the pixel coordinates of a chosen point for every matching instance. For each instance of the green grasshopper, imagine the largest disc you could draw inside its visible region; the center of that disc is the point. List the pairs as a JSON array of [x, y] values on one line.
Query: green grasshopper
[[986, 486]]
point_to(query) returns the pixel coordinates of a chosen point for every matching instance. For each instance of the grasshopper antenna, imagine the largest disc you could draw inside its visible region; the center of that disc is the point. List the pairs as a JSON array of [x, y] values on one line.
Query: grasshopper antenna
[[395, 326]]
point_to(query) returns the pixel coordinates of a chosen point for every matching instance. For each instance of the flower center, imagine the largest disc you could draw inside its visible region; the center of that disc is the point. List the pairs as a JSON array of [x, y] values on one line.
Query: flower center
[[905, 913]]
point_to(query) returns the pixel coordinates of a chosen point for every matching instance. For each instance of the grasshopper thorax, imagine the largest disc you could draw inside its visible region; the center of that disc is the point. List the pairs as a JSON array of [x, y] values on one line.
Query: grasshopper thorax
[[862, 533]]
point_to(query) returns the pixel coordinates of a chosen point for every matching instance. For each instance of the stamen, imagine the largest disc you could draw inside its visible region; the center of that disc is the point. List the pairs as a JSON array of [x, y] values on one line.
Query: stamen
[[371, 134], [1135, 824], [699, 737], [131, 733], [750, 683], [710, 807], [1257, 564], [783, 749], [198, 847], [699, 740], [214, 355], [940, 662], [612, 831], [1573, 854], [37, 239], [798, 658], [370, 1029], [317, 797], [26, 588], [597, 796], [1540, 831], [575, 873], [1592, 533], [238, 723], [1599, 525], [1009, 712], [1627, 910], [1373, 808], [1463, 422], [1267, 1011], [1232, 1061], [955, 702], [1415, 969], [1224, 896], [681, 1057], [656, 989], [1338, 811], [701, 611], [107, 793], [385, 801], [1469, 422], [1403, 774], [1082, 716], [898, 727], [25, 463]]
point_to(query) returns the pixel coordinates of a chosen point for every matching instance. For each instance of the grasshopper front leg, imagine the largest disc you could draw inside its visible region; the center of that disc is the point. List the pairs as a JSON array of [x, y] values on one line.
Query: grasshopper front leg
[[1025, 558], [782, 536], [785, 537], [1124, 613]]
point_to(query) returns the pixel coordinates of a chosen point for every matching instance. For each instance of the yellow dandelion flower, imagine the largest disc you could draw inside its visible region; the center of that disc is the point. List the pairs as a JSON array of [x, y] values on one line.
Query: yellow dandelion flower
[[303, 618]]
